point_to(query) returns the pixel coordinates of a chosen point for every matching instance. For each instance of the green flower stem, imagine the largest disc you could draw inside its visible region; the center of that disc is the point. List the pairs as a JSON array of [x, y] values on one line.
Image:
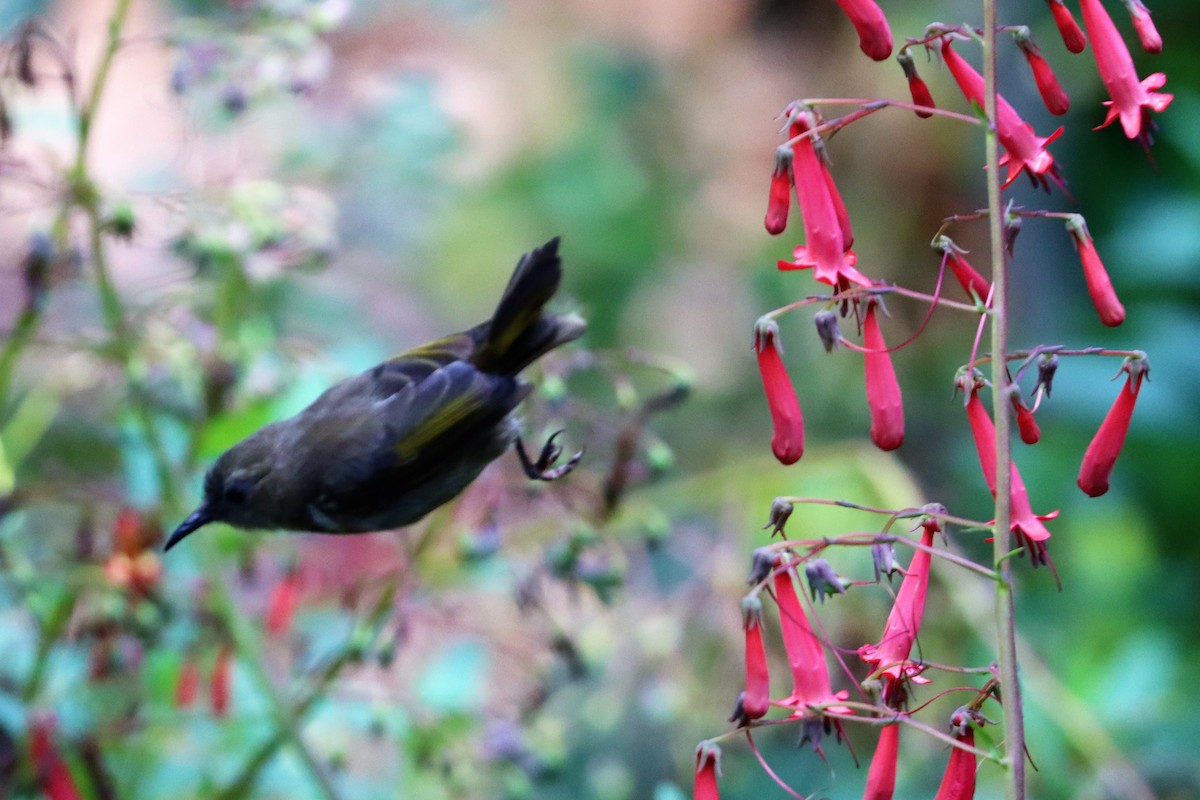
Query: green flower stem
[[1005, 612]]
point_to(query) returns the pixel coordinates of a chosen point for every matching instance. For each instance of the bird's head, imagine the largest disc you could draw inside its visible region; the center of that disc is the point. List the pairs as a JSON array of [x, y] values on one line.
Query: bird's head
[[236, 489]]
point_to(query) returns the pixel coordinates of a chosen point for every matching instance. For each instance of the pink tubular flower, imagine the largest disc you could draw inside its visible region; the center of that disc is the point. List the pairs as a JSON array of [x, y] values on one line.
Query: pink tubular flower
[[281, 605], [53, 775], [1053, 95], [810, 674], [916, 87], [891, 656], [958, 781], [1146, 32], [881, 777], [984, 432], [1101, 455], [883, 390], [787, 442], [1068, 28], [1104, 296], [874, 35], [757, 699], [219, 685], [1023, 149], [708, 767], [824, 249], [1131, 101], [839, 208], [781, 192]]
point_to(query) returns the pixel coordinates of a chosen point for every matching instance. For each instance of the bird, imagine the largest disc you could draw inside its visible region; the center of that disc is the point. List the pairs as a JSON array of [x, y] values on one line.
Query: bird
[[383, 448]]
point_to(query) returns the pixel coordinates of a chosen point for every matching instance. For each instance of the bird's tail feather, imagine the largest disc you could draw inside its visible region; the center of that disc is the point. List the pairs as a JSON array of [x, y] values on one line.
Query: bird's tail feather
[[520, 331]]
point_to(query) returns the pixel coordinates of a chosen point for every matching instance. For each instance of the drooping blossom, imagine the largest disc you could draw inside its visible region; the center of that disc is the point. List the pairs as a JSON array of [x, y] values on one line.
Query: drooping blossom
[[757, 699], [1027, 426], [1146, 31], [839, 207], [824, 249], [806, 655], [916, 86], [983, 430], [53, 775], [958, 781], [883, 390], [890, 658], [1104, 296], [1068, 28], [1131, 101], [1053, 95], [881, 777], [971, 281], [787, 441], [874, 35], [1023, 149], [708, 767], [219, 684], [1101, 454], [781, 192], [282, 602], [187, 685]]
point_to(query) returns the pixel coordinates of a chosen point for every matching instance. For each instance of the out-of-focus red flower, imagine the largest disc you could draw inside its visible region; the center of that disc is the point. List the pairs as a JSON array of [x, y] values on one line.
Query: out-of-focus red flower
[[916, 87], [891, 656], [781, 192], [806, 656], [1023, 149], [881, 777], [883, 390], [1104, 296], [874, 35], [1101, 455], [53, 775], [1146, 31], [222, 676], [1131, 101], [787, 442], [1053, 95], [1068, 28], [708, 767], [757, 700], [187, 685], [281, 605], [958, 782], [132, 565], [824, 249]]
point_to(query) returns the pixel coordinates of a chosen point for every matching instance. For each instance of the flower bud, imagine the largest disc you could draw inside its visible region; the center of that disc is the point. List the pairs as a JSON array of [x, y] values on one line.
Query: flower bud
[[761, 564], [916, 87], [781, 192], [883, 558], [1047, 366], [827, 328], [1068, 28]]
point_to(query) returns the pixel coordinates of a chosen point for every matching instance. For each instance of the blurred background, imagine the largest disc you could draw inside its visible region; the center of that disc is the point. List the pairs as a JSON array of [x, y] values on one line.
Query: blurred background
[[278, 194]]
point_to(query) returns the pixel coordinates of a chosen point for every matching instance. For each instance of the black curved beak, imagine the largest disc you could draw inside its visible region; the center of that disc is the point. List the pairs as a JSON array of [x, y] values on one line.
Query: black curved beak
[[197, 519]]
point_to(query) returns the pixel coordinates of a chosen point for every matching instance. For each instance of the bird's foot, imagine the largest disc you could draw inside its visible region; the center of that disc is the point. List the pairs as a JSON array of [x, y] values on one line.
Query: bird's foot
[[543, 469]]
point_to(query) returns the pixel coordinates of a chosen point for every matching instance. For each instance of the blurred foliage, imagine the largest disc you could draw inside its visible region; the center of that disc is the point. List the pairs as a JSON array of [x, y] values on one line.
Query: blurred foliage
[[277, 194]]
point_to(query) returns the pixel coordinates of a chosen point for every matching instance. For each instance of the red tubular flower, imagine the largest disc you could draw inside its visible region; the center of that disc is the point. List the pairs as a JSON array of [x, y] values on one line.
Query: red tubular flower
[[1023, 150], [810, 675], [916, 86], [958, 782], [883, 390], [1131, 101], [1146, 32], [1027, 426], [281, 605], [971, 281], [1068, 28], [788, 440], [824, 249], [984, 432], [187, 686], [881, 777], [874, 35], [839, 208], [708, 767], [891, 655], [53, 775], [1053, 95], [1101, 455], [757, 699], [781, 192], [1104, 296], [219, 686]]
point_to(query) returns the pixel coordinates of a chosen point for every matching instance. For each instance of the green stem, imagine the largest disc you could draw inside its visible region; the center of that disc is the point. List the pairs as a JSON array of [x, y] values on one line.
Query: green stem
[[1005, 613]]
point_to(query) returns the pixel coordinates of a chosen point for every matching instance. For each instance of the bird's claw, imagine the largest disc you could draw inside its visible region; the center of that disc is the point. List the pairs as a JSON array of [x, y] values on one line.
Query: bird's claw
[[543, 469]]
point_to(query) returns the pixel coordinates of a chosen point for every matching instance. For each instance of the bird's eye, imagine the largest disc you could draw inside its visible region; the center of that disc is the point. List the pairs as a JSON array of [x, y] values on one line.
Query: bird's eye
[[236, 492]]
